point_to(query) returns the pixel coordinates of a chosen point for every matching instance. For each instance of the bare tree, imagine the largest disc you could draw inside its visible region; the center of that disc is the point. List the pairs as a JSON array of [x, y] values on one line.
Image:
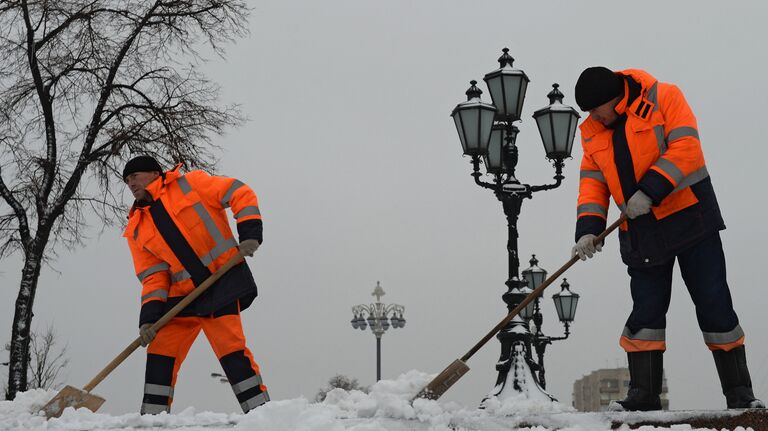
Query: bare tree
[[84, 85], [339, 381], [46, 360]]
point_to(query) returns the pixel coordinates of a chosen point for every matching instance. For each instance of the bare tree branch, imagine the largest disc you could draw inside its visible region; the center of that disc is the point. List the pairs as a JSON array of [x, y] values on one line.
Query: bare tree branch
[[18, 211], [46, 362], [45, 104]]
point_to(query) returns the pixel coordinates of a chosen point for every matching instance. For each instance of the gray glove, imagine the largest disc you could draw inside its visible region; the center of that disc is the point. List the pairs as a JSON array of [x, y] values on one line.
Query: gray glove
[[638, 204], [585, 247], [248, 247], [147, 334]]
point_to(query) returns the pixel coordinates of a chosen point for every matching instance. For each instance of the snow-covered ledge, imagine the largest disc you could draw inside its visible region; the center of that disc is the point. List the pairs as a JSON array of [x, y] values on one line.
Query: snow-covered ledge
[[385, 408]]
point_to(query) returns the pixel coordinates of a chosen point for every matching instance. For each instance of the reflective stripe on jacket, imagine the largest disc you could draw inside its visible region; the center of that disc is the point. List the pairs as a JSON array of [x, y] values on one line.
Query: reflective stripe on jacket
[[193, 207], [658, 132]]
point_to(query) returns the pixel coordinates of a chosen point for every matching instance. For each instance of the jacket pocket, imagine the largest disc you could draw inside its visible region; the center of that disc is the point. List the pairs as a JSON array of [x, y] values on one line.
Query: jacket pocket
[[599, 149], [187, 210], [153, 243], [599, 142], [683, 228], [645, 142], [643, 244]]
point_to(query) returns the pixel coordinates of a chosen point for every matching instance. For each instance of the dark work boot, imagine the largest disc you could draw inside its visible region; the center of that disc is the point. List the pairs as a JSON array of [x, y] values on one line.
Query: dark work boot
[[646, 371], [734, 378]]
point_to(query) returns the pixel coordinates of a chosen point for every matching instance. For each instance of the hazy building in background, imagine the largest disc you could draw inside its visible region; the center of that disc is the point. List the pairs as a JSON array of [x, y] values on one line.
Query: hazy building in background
[[593, 392]]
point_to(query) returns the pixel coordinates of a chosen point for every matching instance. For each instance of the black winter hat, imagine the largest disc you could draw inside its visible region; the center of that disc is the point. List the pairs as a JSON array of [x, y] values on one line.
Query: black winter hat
[[141, 164], [597, 85]]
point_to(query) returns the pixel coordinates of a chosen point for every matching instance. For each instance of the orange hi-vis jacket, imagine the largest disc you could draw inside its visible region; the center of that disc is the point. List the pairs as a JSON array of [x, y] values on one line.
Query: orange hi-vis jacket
[[653, 147], [183, 236]]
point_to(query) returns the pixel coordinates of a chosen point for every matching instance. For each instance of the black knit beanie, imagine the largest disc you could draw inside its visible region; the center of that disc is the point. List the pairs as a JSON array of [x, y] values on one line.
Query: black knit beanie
[[141, 164], [597, 85]]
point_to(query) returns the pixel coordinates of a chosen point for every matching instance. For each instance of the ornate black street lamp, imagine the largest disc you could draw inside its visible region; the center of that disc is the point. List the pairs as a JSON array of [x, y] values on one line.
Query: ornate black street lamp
[[376, 316], [494, 143], [565, 305]]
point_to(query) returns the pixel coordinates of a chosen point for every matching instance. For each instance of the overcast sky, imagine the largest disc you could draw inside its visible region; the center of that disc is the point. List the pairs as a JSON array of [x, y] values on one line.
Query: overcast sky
[[360, 177]]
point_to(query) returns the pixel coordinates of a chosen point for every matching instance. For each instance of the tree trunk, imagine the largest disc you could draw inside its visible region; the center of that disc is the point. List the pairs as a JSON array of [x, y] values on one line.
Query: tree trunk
[[22, 322]]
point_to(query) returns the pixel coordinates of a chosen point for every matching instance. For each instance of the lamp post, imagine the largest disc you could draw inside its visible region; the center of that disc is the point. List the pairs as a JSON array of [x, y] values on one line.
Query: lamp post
[[488, 135], [565, 305], [221, 377], [378, 319]]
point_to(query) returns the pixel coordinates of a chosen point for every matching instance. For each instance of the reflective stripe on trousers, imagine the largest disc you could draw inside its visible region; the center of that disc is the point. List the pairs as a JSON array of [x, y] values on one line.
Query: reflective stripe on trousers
[[154, 409], [246, 384], [723, 337], [160, 390], [254, 402], [645, 334]]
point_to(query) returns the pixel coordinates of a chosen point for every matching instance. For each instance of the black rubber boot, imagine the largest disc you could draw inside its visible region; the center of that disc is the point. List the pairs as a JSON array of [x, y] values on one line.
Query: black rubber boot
[[646, 371], [735, 380]]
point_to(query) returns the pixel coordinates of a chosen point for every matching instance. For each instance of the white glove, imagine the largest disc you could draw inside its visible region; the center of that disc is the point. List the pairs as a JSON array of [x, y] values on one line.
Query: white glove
[[638, 204], [585, 247], [147, 334], [249, 246]]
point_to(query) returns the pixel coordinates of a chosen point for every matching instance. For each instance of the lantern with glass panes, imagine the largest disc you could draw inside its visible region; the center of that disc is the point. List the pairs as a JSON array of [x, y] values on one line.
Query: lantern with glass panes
[[489, 136], [534, 276], [565, 305], [565, 301], [473, 120], [557, 127]]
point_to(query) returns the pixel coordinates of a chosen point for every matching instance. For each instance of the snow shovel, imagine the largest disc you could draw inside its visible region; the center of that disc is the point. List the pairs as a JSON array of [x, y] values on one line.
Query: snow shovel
[[451, 374], [73, 397]]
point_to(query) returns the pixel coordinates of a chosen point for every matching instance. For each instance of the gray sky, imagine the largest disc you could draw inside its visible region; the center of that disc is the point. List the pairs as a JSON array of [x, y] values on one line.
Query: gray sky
[[360, 177]]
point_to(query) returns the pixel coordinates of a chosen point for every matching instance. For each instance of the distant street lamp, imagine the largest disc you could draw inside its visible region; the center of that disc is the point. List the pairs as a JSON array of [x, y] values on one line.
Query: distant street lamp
[[222, 378], [488, 135], [377, 317]]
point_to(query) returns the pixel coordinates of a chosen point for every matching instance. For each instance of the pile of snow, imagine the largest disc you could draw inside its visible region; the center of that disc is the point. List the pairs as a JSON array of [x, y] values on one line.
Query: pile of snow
[[386, 408]]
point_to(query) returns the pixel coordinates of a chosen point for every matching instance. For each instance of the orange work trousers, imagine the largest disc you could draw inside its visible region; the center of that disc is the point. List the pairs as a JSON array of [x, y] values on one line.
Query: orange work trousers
[[167, 352]]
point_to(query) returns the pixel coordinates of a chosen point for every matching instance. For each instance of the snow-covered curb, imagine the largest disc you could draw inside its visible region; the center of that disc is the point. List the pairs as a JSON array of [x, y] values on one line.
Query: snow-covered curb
[[386, 408]]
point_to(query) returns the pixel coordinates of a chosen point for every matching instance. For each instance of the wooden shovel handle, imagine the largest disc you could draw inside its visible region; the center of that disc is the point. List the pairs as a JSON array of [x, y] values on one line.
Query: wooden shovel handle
[[163, 320], [538, 291]]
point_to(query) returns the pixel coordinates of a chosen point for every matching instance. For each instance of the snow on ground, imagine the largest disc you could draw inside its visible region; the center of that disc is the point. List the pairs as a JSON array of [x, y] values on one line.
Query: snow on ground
[[386, 408]]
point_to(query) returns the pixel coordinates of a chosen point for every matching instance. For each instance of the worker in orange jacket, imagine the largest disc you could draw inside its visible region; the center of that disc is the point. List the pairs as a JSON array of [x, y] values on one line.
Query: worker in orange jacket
[[641, 147], [179, 235]]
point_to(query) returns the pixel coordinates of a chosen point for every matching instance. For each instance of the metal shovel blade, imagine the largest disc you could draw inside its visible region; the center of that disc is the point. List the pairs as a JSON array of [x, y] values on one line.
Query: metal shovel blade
[[437, 387], [72, 397]]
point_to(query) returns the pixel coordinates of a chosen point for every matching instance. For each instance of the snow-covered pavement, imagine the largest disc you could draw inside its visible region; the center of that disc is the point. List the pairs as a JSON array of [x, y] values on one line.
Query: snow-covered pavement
[[386, 407]]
